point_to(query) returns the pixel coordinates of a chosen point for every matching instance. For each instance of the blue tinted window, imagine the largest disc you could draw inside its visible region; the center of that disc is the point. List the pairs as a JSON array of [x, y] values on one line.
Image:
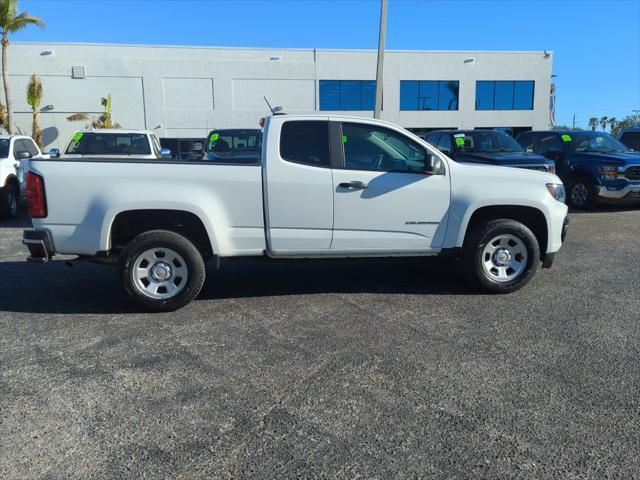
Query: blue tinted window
[[484, 95], [448, 95], [347, 94], [368, 95], [523, 95], [429, 95], [329, 95], [409, 93], [504, 95]]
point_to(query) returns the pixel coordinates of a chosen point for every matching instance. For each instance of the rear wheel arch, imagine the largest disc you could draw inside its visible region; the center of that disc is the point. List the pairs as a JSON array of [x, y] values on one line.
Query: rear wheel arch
[[128, 224], [532, 217]]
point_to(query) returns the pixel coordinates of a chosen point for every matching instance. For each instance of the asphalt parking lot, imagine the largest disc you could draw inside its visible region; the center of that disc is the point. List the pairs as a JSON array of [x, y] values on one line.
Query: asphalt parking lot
[[361, 369]]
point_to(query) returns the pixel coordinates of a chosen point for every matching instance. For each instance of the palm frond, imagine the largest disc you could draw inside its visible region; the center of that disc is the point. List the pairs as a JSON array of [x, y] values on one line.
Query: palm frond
[[78, 117]]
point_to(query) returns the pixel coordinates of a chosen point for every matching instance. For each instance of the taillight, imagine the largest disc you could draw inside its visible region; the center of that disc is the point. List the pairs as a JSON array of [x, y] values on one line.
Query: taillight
[[263, 120], [36, 199]]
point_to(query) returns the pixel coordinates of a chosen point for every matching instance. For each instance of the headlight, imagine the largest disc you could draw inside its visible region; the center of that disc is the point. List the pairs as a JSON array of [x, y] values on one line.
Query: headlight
[[556, 190], [608, 172]]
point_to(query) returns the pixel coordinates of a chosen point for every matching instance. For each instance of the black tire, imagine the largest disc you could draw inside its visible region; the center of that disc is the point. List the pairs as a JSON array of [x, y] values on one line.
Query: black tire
[[171, 241], [8, 203], [581, 193], [473, 255]]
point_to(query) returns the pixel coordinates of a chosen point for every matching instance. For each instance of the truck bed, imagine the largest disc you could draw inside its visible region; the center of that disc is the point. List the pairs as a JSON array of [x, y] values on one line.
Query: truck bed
[[82, 193]]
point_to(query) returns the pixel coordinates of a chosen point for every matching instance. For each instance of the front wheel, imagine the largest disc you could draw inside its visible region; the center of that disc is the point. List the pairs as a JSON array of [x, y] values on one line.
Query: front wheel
[[500, 256], [581, 194], [8, 203], [161, 271]]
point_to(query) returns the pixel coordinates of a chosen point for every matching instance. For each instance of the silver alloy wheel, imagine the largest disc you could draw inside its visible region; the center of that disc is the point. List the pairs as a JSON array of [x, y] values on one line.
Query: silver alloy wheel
[[504, 258], [160, 273], [13, 205], [579, 194]]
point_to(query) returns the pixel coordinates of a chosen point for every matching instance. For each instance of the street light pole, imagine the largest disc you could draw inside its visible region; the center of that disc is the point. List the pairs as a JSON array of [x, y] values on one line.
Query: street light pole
[[377, 113], [636, 115]]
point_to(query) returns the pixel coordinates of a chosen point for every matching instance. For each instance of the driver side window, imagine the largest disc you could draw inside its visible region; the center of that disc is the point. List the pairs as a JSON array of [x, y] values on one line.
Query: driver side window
[[369, 147]]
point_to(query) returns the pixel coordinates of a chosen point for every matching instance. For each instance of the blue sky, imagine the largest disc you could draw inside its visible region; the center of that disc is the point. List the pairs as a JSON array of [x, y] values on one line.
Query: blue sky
[[596, 43]]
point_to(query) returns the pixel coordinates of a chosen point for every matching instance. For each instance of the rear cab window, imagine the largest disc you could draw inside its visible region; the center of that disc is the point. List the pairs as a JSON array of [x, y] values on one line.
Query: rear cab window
[[98, 143], [305, 142]]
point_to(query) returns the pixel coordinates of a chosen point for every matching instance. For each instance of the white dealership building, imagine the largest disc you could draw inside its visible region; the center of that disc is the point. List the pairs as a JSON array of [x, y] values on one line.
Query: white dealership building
[[184, 92]]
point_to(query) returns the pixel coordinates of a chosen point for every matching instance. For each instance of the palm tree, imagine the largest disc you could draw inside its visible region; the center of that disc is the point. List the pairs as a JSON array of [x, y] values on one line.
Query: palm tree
[[603, 122], [11, 21], [104, 120], [34, 97], [593, 123], [613, 122]]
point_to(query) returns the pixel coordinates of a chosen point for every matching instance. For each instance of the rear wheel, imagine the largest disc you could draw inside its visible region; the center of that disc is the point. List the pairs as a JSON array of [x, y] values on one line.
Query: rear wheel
[[8, 203], [500, 256], [581, 194], [161, 270]]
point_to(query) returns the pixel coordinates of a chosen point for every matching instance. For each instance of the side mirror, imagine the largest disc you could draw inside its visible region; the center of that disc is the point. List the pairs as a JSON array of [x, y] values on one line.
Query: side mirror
[[54, 153], [432, 165], [23, 155], [165, 153]]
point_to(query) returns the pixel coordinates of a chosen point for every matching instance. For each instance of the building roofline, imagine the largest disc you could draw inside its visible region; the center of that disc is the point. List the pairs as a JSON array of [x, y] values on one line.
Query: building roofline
[[307, 49]]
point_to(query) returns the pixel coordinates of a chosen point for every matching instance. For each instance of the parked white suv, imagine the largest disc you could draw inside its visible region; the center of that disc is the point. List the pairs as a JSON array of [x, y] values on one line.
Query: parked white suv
[[114, 144], [15, 151], [324, 186]]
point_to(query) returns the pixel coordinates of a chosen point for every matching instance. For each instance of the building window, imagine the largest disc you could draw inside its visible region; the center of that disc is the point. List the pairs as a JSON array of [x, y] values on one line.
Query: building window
[[504, 95], [429, 94], [347, 94]]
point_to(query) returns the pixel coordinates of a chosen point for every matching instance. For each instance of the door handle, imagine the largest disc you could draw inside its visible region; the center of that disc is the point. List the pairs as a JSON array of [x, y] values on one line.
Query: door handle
[[353, 185]]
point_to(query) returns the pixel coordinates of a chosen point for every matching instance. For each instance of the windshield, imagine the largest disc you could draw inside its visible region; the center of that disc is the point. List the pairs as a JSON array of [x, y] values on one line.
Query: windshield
[[98, 143], [486, 142], [593, 142], [220, 141], [4, 147]]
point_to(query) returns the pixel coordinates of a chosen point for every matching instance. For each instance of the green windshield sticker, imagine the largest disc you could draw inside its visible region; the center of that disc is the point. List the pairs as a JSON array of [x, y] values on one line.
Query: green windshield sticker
[[77, 137], [344, 139], [566, 138], [214, 137], [460, 141]]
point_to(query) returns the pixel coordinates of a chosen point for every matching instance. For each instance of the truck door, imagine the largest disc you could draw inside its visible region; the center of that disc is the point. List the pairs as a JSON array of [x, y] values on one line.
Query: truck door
[[298, 185], [383, 199]]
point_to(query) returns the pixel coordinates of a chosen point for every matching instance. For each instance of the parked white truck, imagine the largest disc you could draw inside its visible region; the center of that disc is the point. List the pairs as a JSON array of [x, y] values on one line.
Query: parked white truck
[[15, 151], [325, 186]]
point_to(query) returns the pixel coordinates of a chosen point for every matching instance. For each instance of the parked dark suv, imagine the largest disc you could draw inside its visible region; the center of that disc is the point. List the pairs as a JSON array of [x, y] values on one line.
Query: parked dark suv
[[631, 138], [593, 165], [490, 147]]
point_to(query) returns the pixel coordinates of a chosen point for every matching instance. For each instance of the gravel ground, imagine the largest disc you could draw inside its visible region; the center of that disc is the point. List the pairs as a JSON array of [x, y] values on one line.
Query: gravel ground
[[353, 369]]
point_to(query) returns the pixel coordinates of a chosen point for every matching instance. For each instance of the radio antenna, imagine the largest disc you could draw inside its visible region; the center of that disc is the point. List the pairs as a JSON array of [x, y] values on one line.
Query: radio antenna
[[269, 105]]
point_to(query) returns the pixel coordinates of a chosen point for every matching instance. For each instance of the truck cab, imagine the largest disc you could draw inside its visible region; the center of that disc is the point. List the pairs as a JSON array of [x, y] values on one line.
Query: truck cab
[[114, 144], [594, 166]]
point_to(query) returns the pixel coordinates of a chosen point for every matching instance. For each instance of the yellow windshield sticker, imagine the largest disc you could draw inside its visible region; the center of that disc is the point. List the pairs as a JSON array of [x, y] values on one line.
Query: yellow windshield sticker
[[77, 137], [566, 138], [214, 137], [460, 141]]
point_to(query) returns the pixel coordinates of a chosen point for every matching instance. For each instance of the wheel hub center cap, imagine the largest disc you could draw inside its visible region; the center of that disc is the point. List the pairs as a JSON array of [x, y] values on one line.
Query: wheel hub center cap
[[501, 257], [161, 272]]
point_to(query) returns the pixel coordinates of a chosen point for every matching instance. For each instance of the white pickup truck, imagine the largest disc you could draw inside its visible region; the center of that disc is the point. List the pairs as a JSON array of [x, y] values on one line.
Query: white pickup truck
[[325, 186], [15, 152]]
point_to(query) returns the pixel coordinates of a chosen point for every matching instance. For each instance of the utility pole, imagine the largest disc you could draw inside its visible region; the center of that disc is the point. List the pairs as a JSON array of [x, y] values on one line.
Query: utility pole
[[636, 115], [574, 122], [377, 113]]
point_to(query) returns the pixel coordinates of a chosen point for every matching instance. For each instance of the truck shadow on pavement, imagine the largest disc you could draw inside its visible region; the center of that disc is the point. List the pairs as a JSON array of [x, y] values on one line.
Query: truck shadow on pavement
[[88, 288]]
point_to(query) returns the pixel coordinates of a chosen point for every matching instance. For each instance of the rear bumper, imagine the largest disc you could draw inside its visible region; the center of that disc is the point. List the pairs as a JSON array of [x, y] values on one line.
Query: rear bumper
[[39, 244], [630, 192]]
